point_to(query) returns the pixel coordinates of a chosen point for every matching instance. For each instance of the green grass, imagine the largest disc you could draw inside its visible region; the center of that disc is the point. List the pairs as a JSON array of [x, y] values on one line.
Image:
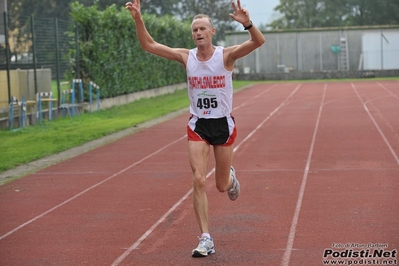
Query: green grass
[[36, 142], [51, 137]]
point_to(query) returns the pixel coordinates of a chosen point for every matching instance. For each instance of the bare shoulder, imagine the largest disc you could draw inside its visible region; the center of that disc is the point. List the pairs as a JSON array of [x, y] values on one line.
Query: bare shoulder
[[182, 54], [228, 50]]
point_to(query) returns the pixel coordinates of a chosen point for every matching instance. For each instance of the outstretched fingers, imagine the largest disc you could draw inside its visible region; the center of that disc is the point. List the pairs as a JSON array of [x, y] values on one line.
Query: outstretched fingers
[[134, 5], [236, 7], [134, 8], [240, 14]]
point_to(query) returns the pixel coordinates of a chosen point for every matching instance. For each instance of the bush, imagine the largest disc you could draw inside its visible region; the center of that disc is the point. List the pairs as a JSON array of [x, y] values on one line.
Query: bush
[[111, 56]]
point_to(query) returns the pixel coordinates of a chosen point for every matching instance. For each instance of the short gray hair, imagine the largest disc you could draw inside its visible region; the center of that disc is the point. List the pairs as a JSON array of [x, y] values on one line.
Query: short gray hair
[[204, 16]]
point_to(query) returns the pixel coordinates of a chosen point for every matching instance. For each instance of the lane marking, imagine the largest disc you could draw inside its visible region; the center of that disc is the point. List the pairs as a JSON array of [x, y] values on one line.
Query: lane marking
[[376, 125], [390, 92], [267, 118], [257, 96], [88, 189], [291, 237], [154, 226], [100, 183]]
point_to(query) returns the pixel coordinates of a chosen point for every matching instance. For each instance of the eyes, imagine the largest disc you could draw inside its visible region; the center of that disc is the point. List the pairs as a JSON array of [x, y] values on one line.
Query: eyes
[[195, 30]]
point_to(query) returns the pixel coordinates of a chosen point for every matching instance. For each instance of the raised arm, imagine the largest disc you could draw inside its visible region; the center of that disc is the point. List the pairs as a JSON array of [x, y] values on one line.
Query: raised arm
[[256, 40], [147, 42]]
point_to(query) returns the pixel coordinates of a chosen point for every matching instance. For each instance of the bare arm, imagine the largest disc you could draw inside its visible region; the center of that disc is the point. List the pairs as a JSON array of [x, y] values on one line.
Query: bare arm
[[256, 37], [147, 42]]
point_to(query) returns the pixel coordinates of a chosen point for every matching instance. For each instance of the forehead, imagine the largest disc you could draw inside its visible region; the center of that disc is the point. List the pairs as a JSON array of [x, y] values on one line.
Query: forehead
[[201, 22]]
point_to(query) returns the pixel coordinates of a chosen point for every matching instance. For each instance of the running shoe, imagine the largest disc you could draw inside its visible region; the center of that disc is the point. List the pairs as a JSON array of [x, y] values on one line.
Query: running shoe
[[234, 191], [205, 247]]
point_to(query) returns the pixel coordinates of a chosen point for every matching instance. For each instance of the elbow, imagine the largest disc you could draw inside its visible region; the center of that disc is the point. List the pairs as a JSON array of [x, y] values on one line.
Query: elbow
[[262, 41], [147, 46], [258, 43]]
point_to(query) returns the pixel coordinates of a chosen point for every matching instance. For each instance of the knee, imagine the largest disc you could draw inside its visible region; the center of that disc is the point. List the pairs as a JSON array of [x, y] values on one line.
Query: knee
[[199, 182], [222, 187]]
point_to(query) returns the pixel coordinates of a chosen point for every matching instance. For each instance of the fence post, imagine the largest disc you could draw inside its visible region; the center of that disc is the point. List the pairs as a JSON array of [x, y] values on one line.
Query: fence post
[[23, 111], [34, 51], [7, 55], [98, 99], [90, 94], [57, 59], [77, 74]]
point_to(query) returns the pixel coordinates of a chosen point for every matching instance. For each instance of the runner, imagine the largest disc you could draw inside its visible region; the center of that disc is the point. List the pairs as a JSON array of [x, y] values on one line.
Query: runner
[[209, 76]]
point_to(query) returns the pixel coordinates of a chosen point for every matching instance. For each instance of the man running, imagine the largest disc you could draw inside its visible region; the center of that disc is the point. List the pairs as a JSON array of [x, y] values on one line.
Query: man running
[[210, 88]]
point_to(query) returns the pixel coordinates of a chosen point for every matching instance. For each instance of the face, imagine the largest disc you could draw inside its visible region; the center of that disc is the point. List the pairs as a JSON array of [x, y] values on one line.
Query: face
[[202, 31]]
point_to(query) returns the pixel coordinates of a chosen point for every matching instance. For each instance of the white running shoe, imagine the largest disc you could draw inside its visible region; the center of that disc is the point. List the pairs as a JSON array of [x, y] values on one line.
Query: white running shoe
[[205, 247], [234, 191]]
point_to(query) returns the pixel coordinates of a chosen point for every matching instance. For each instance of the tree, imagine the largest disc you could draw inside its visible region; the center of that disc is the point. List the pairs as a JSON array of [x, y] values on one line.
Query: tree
[[327, 13], [40, 8], [185, 10], [371, 12], [309, 13]]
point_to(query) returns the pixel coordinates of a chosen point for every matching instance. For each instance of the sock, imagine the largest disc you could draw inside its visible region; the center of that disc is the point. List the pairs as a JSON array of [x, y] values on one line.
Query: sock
[[206, 235]]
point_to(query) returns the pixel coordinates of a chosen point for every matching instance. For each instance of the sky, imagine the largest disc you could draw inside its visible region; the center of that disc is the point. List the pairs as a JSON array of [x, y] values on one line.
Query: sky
[[261, 11]]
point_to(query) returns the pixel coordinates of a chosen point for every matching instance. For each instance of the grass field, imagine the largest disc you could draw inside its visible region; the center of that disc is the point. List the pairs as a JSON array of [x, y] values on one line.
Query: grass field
[[51, 137], [36, 142]]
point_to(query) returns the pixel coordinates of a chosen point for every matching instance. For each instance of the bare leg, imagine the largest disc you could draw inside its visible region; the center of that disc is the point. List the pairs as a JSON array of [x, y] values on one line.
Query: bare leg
[[199, 157], [223, 159]]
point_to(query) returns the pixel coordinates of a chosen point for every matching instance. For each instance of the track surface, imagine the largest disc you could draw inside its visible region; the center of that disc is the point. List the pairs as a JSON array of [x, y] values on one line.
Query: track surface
[[318, 165]]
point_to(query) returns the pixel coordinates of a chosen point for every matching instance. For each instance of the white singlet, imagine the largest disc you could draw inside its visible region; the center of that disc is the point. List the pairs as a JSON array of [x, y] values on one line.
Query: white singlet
[[210, 86]]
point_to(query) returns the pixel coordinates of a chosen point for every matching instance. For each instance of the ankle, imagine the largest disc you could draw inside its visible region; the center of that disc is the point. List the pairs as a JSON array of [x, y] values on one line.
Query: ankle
[[205, 235]]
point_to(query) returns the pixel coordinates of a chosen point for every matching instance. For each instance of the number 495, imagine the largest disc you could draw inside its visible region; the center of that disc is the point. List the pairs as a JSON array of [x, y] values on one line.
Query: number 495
[[206, 103]]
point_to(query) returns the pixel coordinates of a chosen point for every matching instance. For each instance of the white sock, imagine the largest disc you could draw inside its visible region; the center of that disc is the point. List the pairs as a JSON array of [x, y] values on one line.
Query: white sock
[[205, 235]]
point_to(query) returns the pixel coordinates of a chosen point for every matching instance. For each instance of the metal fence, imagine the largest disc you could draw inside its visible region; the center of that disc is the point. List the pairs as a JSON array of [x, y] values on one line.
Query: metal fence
[[34, 52], [322, 50]]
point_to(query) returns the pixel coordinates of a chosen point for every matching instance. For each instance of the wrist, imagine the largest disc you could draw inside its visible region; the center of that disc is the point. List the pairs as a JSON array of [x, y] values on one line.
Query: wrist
[[247, 26]]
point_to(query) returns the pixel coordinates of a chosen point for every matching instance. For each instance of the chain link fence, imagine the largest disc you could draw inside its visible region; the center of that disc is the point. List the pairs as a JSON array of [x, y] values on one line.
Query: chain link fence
[[34, 56]]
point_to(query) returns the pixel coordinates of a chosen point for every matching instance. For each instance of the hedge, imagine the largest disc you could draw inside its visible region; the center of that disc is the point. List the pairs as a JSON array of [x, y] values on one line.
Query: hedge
[[110, 53]]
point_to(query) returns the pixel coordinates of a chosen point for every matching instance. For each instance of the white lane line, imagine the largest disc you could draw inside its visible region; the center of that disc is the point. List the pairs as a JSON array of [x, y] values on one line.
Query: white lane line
[[154, 226], [88, 189], [96, 185], [267, 118], [257, 96], [390, 92], [290, 243], [376, 125]]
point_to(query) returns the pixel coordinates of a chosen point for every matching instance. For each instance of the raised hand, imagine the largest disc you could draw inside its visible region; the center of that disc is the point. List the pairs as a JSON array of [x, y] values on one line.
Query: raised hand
[[240, 15], [134, 8]]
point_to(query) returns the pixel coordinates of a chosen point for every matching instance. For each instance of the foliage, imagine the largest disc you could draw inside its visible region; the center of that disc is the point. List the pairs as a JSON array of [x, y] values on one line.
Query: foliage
[[39, 8], [183, 9], [111, 56], [65, 133], [327, 13]]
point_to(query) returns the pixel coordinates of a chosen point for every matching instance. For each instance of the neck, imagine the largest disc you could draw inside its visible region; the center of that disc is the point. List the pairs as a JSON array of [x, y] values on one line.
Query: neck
[[205, 53]]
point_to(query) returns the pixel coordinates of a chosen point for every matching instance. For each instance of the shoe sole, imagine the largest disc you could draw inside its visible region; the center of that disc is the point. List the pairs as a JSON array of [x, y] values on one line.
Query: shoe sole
[[198, 254]]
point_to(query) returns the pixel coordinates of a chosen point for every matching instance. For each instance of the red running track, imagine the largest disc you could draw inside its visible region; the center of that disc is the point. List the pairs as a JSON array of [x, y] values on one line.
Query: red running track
[[318, 165]]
